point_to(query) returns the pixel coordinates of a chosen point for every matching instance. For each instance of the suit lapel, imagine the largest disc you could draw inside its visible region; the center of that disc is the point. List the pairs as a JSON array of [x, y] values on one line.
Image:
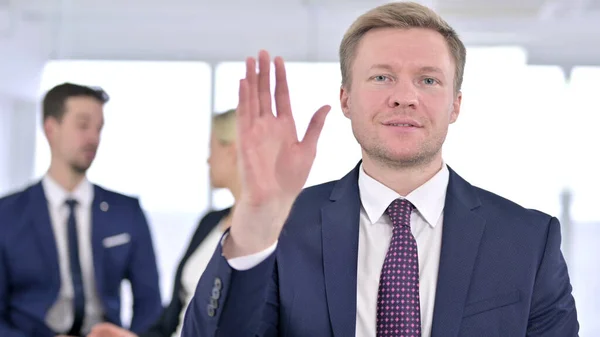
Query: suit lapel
[[460, 244], [101, 213], [340, 226], [44, 230], [205, 227]]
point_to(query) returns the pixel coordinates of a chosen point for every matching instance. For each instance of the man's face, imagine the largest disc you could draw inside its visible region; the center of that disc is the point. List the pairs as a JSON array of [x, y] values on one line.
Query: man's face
[[74, 140], [401, 98]]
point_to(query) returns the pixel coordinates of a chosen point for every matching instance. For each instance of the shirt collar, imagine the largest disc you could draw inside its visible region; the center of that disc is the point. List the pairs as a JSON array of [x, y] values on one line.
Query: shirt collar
[[428, 199], [57, 195]]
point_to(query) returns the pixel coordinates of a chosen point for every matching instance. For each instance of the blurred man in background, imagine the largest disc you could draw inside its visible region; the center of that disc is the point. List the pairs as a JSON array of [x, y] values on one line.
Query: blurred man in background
[[66, 245]]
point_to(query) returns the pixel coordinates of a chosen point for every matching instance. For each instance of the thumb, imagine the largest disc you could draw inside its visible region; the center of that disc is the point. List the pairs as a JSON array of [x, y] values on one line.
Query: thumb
[[315, 127]]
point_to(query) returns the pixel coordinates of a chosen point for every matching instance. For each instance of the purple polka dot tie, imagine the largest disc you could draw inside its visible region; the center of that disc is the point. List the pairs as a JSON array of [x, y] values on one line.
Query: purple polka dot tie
[[398, 308]]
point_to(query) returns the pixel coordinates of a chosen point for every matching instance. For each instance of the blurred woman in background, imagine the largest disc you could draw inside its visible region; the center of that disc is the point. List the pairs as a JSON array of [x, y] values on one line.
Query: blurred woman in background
[[223, 174]]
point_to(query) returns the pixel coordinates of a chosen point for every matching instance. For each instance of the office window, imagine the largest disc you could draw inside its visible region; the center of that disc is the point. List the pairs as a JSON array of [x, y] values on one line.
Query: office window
[[579, 136], [504, 139], [579, 139]]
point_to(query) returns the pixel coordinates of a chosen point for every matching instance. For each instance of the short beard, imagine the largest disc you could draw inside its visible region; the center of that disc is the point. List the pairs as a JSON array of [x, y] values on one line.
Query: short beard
[[408, 163], [423, 158], [79, 169]]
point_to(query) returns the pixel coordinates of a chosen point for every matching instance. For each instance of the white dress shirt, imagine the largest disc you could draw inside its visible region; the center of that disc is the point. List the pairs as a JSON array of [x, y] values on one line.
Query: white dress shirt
[[60, 316], [375, 234]]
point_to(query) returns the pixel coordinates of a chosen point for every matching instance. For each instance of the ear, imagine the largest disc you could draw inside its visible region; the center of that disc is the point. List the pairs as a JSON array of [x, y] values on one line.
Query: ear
[[344, 98], [456, 107], [50, 125]]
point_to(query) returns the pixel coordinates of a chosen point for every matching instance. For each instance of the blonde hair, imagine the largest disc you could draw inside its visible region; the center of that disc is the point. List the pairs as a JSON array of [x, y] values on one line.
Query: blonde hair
[[224, 126], [402, 15]]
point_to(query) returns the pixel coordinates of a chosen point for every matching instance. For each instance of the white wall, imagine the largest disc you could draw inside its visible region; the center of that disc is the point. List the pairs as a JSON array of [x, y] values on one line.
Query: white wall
[[5, 143], [298, 30], [17, 142], [25, 117], [564, 33]]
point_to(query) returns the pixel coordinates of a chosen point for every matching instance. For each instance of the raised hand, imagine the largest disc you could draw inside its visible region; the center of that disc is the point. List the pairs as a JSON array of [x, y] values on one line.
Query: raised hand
[[273, 163]]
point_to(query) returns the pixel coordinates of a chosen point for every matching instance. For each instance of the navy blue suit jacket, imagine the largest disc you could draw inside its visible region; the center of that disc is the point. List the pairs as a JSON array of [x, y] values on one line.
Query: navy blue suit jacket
[[501, 272], [29, 272], [169, 320]]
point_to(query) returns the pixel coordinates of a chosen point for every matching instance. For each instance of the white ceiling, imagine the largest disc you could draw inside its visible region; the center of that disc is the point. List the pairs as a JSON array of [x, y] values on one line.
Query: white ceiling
[[563, 32]]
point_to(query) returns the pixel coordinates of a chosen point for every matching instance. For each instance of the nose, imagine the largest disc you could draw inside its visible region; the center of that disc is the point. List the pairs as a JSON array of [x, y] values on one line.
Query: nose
[[404, 95], [94, 138]]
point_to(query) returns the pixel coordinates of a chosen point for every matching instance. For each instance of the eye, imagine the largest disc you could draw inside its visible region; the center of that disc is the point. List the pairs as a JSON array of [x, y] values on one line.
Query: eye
[[380, 78], [429, 81]]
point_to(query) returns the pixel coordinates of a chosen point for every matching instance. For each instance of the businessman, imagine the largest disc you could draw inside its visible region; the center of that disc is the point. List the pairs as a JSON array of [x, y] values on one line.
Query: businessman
[[400, 246], [66, 245]]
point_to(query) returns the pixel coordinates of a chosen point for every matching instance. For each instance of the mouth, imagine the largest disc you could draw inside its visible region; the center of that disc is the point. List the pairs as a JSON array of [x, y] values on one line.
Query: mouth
[[401, 124], [89, 154]]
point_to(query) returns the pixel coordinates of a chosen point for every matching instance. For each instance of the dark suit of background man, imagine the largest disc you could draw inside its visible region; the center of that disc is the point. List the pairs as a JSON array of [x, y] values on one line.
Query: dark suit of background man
[[66, 245], [402, 245]]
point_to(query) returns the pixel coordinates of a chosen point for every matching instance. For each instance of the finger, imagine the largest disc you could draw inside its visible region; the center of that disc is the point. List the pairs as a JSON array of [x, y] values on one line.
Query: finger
[[252, 83], [245, 117], [315, 127], [264, 83], [282, 93]]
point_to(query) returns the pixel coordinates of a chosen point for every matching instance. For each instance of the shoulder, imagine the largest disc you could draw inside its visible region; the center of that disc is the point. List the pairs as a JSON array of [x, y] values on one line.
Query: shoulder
[[207, 223], [17, 210], [501, 208], [16, 201], [512, 225], [497, 210], [114, 197], [214, 216]]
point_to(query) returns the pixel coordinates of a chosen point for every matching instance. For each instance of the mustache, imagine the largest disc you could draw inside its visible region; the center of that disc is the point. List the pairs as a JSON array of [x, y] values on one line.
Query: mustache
[[398, 113], [388, 116]]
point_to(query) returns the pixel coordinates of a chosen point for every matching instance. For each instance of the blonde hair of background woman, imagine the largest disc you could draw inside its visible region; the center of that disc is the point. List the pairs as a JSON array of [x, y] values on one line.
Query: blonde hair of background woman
[[224, 126]]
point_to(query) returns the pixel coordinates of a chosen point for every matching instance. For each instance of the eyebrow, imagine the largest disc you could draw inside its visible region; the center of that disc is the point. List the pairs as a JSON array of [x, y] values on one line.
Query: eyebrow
[[82, 117], [382, 66], [424, 69], [429, 69]]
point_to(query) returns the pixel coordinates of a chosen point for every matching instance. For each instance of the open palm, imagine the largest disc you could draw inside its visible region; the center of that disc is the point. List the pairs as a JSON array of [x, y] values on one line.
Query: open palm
[[274, 164]]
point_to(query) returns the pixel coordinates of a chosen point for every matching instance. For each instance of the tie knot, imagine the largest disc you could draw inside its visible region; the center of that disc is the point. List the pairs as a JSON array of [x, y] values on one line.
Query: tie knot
[[399, 212], [71, 203]]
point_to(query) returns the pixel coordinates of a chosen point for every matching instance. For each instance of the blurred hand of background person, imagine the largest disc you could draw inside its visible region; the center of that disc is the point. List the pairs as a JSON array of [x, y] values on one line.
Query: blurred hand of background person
[[109, 330]]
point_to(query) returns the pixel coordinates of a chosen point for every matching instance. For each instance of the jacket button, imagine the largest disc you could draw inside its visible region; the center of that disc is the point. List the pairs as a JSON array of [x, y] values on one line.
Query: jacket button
[[210, 310], [216, 293], [218, 283]]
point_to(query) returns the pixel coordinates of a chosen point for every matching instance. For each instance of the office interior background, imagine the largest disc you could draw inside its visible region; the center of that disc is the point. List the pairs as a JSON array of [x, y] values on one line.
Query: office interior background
[[528, 129]]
